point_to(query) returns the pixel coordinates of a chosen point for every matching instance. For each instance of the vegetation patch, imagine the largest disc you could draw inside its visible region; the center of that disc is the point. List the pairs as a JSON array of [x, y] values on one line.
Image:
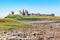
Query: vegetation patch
[[17, 21]]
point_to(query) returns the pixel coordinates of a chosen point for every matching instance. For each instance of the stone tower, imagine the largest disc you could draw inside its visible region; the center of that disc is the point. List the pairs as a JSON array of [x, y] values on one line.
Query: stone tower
[[23, 13], [12, 12], [26, 13], [20, 13]]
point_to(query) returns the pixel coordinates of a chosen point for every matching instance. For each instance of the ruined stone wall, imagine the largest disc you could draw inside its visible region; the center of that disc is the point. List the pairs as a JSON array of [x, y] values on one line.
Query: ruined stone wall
[[26, 13]]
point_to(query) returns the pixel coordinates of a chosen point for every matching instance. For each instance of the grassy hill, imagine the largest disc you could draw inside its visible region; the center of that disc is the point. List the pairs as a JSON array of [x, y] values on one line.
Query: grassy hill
[[8, 23], [34, 18], [17, 21]]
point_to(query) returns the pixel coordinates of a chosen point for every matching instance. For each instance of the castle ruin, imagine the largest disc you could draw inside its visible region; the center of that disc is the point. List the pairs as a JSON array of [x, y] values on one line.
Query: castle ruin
[[26, 13]]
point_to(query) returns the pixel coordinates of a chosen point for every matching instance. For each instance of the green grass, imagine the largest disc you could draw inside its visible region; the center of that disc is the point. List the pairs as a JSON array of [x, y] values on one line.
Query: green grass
[[17, 21], [34, 18], [8, 23]]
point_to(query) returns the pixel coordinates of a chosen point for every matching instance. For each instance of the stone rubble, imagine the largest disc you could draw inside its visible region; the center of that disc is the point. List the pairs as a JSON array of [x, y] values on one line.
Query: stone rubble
[[39, 32]]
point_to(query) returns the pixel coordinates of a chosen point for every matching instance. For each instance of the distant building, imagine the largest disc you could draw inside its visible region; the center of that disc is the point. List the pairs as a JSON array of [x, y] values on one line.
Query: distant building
[[20, 13], [12, 12], [26, 13], [23, 13]]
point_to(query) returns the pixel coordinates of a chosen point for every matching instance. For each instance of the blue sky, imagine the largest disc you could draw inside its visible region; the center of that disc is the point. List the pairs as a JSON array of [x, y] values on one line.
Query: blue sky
[[41, 6]]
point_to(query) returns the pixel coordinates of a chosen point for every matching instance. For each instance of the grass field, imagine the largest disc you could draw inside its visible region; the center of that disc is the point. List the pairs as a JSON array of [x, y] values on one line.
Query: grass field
[[34, 18], [8, 23], [17, 21]]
